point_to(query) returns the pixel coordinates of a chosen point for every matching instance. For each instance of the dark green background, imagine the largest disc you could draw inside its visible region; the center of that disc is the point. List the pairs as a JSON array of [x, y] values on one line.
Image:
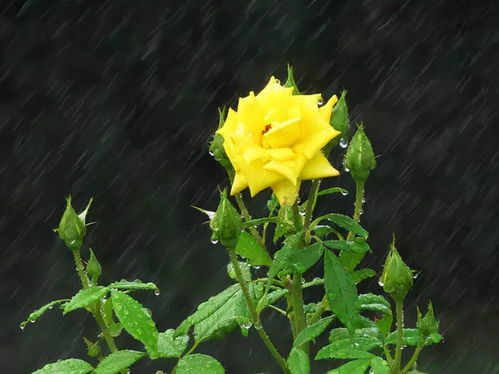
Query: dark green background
[[118, 100]]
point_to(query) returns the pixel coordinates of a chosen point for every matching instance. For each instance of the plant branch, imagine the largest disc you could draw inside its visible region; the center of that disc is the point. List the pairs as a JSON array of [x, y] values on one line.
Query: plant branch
[[312, 199], [399, 305], [96, 309], [247, 217], [254, 315], [413, 359]]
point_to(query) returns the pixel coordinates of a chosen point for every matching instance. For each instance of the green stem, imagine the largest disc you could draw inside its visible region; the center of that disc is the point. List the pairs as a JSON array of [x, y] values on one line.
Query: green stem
[[359, 200], [254, 315], [321, 308], [351, 260], [96, 309], [247, 217], [312, 199], [388, 356], [399, 306], [296, 291], [413, 359], [80, 268]]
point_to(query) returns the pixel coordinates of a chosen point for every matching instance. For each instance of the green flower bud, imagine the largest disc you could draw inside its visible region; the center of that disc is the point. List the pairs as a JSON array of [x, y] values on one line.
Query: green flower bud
[[72, 227], [217, 145], [93, 349], [397, 277], [428, 324], [93, 267], [226, 224], [359, 158]]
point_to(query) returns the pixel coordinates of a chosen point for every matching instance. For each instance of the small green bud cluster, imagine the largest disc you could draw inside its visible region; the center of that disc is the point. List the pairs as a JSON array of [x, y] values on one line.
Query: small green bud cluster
[[428, 324], [227, 223], [397, 277], [359, 158]]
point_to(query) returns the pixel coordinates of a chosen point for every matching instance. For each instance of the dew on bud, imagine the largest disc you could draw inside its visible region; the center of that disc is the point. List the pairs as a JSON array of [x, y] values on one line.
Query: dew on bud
[[343, 142]]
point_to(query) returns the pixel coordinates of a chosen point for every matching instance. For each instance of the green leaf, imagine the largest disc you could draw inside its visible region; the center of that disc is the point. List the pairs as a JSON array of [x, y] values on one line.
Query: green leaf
[[249, 248], [283, 257], [341, 292], [303, 259], [379, 366], [376, 303], [232, 314], [285, 223], [357, 245], [199, 363], [359, 275], [346, 222], [69, 366], [136, 320], [384, 324], [290, 81], [298, 362], [259, 221], [271, 298], [412, 336], [339, 120], [133, 286], [171, 346], [352, 367], [312, 331], [40, 311], [332, 190], [322, 231], [245, 271], [217, 316], [341, 333], [85, 297], [206, 309], [313, 282], [118, 361], [352, 347], [93, 266]]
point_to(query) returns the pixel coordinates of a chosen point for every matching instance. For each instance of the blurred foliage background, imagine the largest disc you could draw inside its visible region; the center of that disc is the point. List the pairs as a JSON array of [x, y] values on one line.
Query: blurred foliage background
[[118, 100]]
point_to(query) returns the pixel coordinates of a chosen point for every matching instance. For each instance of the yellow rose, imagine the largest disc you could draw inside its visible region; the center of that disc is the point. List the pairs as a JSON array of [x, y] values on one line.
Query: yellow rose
[[274, 139]]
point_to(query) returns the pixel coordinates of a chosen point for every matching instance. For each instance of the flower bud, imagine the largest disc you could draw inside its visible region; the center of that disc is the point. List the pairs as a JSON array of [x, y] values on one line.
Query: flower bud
[[428, 324], [359, 158], [397, 277], [226, 224], [93, 267], [217, 145], [93, 349], [72, 227]]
